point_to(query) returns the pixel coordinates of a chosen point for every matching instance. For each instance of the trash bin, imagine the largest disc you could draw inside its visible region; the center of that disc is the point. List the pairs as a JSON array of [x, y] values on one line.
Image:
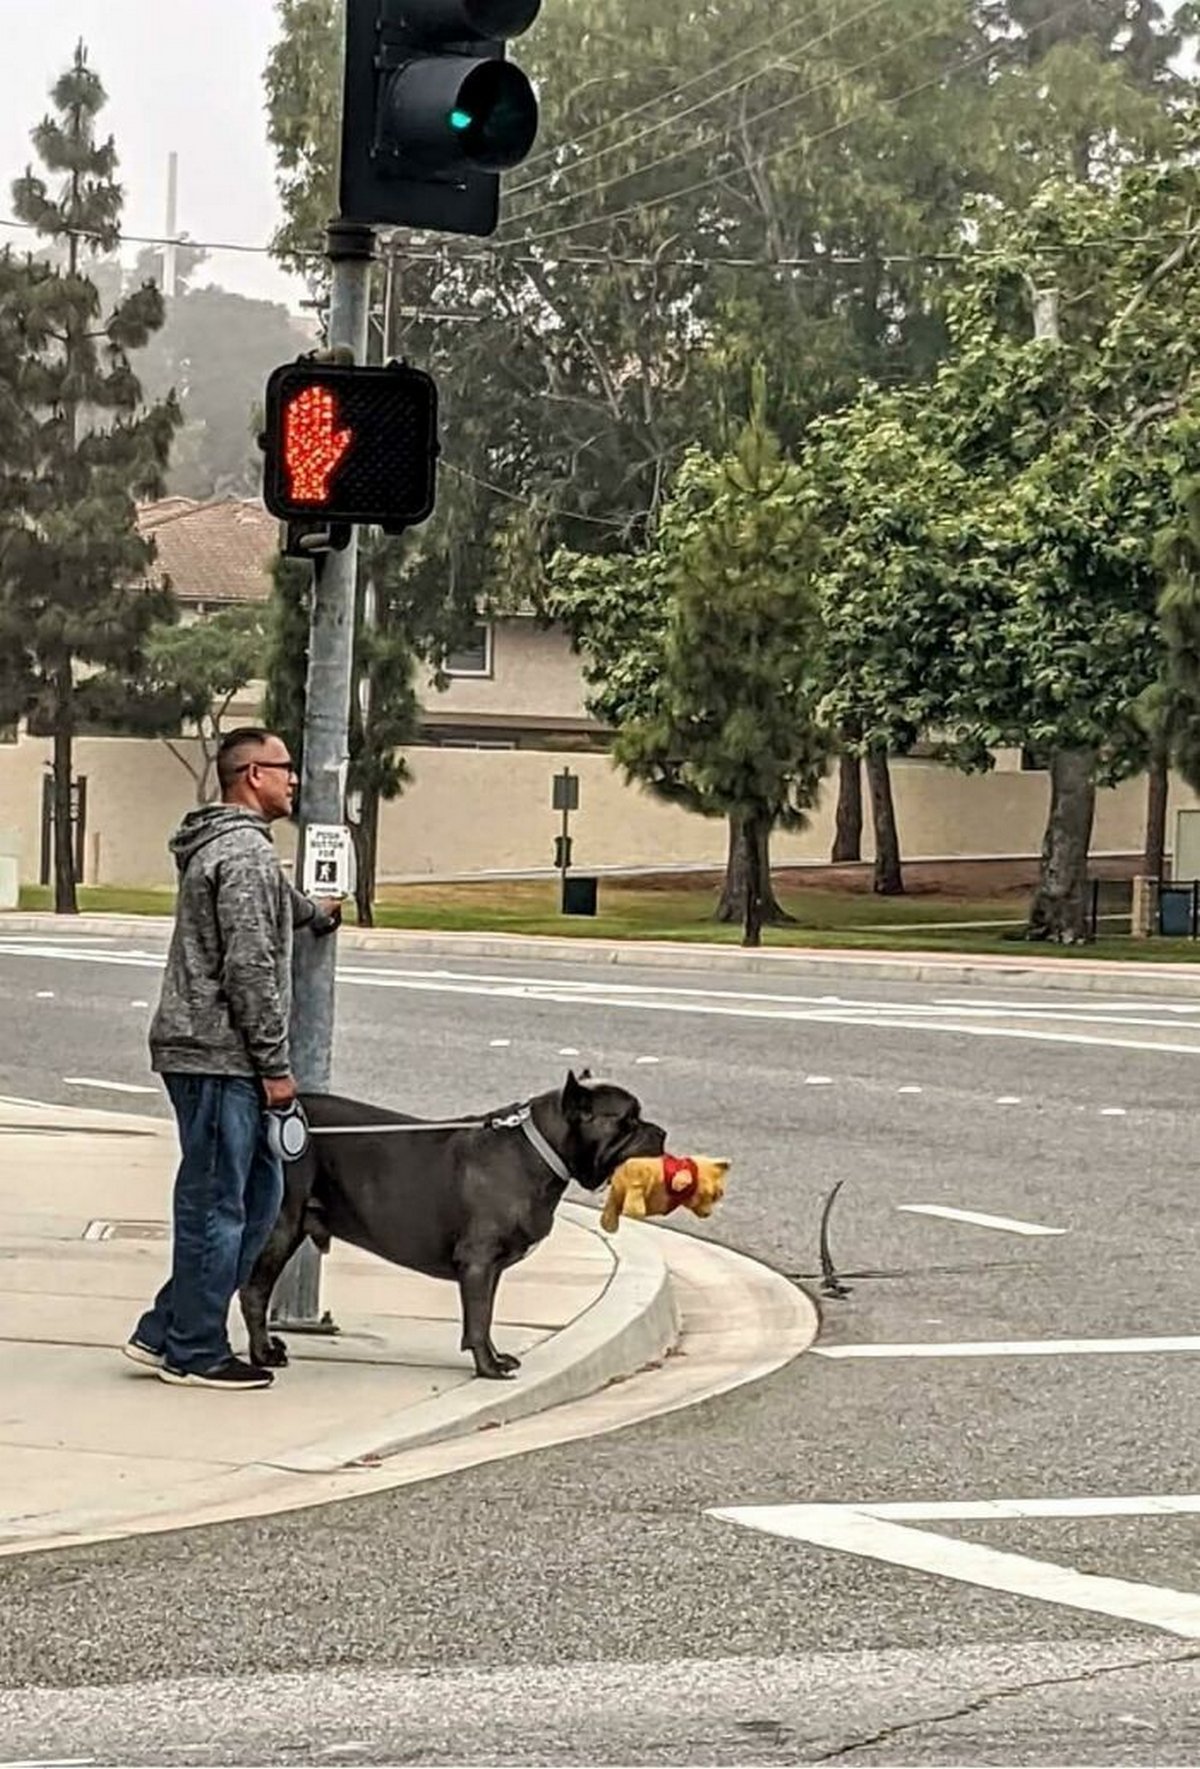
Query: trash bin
[[1177, 911], [578, 895]]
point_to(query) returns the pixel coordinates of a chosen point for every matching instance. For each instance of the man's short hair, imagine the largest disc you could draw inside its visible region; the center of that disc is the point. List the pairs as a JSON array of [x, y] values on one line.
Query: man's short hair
[[236, 749]]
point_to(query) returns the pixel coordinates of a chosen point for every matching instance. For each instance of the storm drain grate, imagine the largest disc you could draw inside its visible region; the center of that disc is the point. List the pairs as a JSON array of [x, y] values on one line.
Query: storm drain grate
[[126, 1231]]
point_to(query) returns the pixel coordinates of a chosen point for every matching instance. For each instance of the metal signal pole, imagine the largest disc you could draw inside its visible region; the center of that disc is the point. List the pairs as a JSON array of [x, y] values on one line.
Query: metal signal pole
[[296, 1303]]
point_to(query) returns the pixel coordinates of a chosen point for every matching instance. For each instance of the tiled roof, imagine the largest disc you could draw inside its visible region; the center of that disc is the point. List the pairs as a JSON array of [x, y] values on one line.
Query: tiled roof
[[220, 552]]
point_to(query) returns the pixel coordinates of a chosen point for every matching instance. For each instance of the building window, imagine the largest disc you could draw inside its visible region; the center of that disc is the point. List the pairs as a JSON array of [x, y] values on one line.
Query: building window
[[474, 656]]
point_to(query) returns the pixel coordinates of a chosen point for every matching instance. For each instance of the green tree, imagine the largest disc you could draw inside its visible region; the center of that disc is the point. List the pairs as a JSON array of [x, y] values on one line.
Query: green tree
[[720, 713], [74, 607], [197, 670], [1172, 708]]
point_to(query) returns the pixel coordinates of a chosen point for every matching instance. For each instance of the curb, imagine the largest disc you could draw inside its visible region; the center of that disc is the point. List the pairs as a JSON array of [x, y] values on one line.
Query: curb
[[741, 1321], [1075, 976], [634, 1322]]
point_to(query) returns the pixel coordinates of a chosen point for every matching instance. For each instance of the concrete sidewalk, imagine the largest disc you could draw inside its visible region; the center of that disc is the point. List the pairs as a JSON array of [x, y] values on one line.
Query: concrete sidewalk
[[90, 1443]]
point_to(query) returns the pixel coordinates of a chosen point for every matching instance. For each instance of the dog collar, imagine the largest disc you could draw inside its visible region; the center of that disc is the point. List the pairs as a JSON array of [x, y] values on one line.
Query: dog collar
[[550, 1156]]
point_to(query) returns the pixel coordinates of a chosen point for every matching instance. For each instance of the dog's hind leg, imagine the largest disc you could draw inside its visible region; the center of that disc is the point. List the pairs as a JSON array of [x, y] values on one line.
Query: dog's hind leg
[[477, 1283], [266, 1350]]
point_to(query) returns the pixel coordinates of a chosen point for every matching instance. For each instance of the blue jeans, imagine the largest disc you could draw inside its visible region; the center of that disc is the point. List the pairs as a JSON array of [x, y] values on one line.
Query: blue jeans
[[227, 1196]]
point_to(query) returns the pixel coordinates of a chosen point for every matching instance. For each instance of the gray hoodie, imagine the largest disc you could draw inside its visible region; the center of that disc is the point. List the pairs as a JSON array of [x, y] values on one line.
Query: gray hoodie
[[226, 995]]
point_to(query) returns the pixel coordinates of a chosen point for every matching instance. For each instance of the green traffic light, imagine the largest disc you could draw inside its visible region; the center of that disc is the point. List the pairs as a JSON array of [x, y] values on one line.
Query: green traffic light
[[461, 120]]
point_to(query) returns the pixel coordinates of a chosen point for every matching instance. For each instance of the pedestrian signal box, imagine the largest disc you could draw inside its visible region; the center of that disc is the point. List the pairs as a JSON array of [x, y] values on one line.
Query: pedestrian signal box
[[345, 444]]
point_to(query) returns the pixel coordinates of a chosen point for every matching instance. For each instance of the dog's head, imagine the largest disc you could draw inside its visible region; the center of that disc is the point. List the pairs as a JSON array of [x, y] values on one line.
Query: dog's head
[[605, 1127]]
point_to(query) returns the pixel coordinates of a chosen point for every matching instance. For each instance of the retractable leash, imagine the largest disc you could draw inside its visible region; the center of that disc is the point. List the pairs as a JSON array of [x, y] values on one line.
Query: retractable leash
[[289, 1132]]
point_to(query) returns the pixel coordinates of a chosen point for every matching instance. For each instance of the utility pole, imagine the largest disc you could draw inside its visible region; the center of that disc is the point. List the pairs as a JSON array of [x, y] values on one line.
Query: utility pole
[[296, 1304], [171, 248]]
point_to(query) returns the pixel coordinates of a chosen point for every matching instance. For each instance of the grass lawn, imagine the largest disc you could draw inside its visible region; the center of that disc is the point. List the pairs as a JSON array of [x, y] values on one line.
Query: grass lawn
[[671, 908]]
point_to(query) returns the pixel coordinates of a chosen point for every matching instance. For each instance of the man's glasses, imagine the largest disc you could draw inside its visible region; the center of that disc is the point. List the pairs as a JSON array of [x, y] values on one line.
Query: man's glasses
[[285, 767]]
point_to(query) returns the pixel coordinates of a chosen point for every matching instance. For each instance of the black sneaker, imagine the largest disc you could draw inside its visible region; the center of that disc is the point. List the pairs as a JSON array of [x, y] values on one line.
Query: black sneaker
[[145, 1355], [233, 1374]]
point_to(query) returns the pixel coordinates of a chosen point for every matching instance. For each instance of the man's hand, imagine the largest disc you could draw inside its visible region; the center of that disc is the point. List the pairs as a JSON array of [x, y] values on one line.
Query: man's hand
[[328, 918], [279, 1089]]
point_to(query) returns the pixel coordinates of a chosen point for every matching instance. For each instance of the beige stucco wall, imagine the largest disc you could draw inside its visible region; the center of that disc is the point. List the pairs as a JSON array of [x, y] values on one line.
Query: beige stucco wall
[[489, 811], [534, 673]]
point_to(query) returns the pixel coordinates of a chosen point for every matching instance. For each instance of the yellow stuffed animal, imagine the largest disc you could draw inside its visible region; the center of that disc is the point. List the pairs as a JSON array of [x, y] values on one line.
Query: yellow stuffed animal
[[656, 1185]]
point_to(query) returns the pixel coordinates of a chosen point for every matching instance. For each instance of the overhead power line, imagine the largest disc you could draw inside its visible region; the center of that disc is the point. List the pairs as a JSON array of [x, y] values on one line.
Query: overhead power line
[[649, 104], [716, 136], [675, 117], [777, 154]]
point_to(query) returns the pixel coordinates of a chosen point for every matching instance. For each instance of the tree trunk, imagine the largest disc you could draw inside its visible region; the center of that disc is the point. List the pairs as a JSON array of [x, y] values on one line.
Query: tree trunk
[[1059, 911], [754, 847], [1158, 782], [65, 902], [889, 873], [847, 839], [732, 907], [366, 855]]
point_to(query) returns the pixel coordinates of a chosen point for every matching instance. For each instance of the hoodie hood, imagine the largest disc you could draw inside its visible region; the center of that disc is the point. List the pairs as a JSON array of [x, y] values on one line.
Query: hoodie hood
[[199, 828]]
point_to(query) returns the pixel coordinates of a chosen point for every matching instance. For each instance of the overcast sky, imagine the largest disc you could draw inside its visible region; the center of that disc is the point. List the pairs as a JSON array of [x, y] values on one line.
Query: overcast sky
[[180, 74]]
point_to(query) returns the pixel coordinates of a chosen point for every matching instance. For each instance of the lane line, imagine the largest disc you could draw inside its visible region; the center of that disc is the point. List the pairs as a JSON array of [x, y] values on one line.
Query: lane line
[[1015, 1348], [1011, 1224], [105, 1086], [886, 1017], [860, 1531]]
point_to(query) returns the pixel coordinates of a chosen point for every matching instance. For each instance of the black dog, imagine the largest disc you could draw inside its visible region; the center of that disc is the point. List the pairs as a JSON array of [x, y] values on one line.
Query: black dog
[[460, 1203]]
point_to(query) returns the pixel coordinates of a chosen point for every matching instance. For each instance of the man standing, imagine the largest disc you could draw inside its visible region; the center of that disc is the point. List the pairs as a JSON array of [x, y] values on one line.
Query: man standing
[[220, 1042]]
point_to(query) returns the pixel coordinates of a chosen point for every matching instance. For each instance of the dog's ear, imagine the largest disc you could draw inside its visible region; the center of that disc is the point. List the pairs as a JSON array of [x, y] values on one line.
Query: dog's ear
[[585, 1074], [576, 1099]]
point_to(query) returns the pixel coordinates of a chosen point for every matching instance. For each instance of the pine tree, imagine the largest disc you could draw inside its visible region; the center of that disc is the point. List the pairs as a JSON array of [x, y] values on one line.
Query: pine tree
[[737, 729], [75, 606]]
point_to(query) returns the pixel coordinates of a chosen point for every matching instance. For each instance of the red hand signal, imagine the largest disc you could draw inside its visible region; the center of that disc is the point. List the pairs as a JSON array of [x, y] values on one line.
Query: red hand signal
[[313, 446]]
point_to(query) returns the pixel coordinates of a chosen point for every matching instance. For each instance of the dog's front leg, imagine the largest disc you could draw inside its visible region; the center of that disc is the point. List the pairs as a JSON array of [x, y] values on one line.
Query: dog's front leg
[[477, 1286]]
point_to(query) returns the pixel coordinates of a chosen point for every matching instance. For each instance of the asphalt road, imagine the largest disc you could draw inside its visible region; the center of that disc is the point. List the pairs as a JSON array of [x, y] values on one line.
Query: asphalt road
[[584, 1605]]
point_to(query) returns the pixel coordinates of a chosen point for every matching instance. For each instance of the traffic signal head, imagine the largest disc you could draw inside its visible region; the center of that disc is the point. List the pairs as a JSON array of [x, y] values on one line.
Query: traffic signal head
[[433, 112], [351, 445]]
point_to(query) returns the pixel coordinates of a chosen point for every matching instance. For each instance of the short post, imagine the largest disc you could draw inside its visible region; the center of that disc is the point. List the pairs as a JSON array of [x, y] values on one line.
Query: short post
[[565, 798]]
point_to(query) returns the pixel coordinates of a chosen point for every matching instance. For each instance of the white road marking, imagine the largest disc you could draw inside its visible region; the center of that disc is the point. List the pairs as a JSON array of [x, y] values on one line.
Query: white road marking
[[1008, 1099], [139, 1004], [999, 1510], [867, 1531], [1015, 1348], [500, 1043], [644, 1061], [568, 1050], [818, 1081], [12, 1099], [105, 1086], [45, 995], [910, 1090], [1113, 1112], [1010, 1223], [882, 1016]]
